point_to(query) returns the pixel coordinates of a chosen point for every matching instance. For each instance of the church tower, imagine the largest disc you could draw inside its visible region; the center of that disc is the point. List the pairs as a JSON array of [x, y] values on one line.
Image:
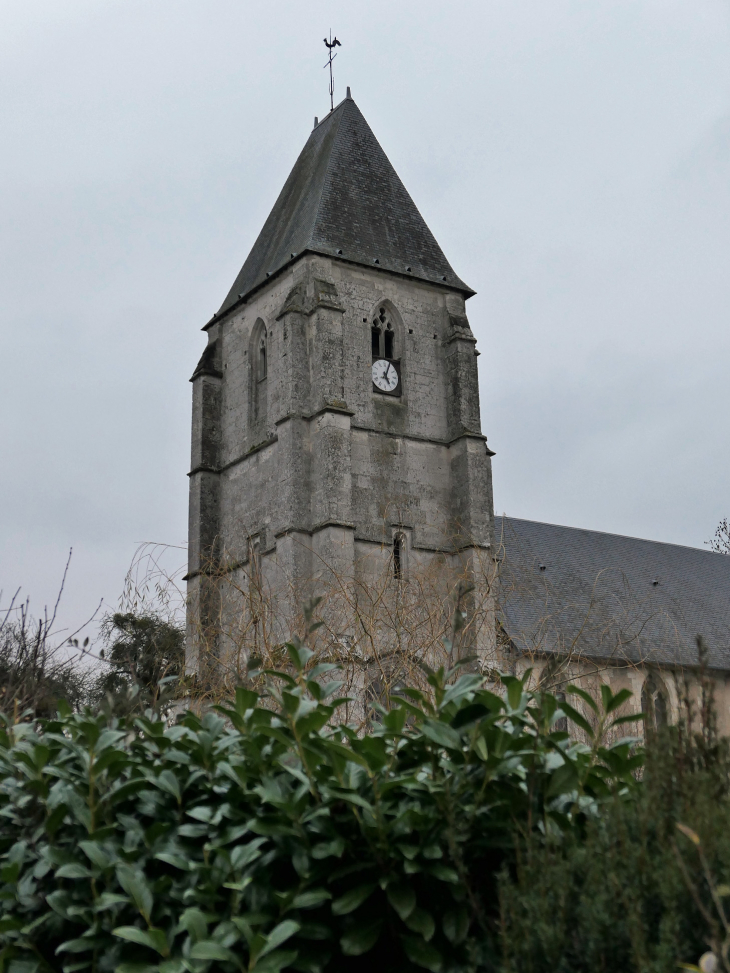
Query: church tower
[[336, 435]]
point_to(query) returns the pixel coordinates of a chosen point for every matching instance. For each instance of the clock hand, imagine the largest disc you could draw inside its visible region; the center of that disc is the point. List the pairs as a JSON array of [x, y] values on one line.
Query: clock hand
[[387, 372]]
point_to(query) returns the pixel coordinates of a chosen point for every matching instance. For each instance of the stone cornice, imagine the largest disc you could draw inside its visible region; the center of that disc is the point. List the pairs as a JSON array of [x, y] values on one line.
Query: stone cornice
[[423, 439], [342, 410]]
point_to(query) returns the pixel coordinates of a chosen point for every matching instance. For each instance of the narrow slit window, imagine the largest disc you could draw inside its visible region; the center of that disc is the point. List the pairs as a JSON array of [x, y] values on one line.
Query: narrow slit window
[[376, 341], [254, 558], [389, 344], [398, 557], [262, 359]]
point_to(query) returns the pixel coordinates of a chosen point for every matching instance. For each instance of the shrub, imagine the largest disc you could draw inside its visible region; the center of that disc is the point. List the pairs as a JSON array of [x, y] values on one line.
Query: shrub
[[259, 837], [629, 890]]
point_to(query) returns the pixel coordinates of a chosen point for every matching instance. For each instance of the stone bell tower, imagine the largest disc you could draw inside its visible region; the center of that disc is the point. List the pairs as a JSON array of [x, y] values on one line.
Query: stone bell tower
[[336, 427]]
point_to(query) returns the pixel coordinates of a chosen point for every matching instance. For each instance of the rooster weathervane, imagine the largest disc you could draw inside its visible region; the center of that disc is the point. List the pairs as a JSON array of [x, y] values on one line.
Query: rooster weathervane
[[331, 44]]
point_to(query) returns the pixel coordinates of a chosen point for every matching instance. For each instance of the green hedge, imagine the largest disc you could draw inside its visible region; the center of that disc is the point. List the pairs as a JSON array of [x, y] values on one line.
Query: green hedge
[[643, 886], [259, 837]]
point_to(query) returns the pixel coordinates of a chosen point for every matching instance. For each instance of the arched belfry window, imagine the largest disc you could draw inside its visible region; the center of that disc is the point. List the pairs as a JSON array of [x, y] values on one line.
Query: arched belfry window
[[262, 357], [259, 351], [376, 332], [382, 331], [654, 702], [259, 370]]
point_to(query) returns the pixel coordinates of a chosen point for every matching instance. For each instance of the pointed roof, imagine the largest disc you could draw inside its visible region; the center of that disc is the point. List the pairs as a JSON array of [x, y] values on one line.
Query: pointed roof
[[344, 199]]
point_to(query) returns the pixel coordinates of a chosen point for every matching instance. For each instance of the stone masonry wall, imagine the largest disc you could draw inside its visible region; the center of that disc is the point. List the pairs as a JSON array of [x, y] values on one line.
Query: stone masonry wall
[[311, 451]]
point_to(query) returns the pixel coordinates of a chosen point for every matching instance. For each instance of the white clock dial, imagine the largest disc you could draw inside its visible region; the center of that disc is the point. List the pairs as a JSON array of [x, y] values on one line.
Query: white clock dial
[[385, 376]]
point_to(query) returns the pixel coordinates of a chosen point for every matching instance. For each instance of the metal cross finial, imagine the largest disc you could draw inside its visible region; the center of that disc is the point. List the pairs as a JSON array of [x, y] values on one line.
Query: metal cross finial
[[330, 45]]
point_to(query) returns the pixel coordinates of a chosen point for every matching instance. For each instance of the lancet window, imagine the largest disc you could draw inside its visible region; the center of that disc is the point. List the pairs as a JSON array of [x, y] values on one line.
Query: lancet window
[[262, 357], [259, 370], [654, 702], [383, 335]]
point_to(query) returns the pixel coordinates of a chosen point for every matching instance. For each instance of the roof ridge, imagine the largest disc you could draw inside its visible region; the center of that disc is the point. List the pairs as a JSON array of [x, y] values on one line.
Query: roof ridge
[[331, 112], [607, 533], [327, 175]]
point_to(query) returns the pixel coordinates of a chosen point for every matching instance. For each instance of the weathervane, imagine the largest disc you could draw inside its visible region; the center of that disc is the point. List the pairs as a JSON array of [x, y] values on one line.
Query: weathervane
[[330, 45]]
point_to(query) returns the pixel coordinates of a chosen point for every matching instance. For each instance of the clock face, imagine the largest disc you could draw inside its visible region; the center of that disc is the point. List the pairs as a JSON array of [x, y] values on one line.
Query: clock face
[[385, 376]]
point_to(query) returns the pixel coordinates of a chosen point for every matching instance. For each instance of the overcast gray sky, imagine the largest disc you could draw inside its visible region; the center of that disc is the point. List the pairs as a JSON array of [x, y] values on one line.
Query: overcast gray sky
[[572, 158]]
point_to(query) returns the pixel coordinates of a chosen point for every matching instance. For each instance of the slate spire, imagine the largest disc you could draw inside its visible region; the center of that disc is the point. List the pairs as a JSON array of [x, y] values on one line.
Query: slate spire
[[344, 199]]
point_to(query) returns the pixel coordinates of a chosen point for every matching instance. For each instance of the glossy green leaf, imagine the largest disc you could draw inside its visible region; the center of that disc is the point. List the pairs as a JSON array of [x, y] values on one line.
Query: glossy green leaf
[[310, 899], [629, 718], [177, 861], [167, 781], [422, 953], [154, 938], [246, 699], [82, 945], [514, 694], [443, 872], [402, 898], [209, 950], [73, 870], [456, 925], [351, 900], [135, 885], [279, 935], [442, 734], [361, 938], [279, 959], [95, 853], [195, 924], [618, 700], [564, 780], [585, 696], [172, 966], [422, 922], [243, 855], [577, 718], [108, 900]]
